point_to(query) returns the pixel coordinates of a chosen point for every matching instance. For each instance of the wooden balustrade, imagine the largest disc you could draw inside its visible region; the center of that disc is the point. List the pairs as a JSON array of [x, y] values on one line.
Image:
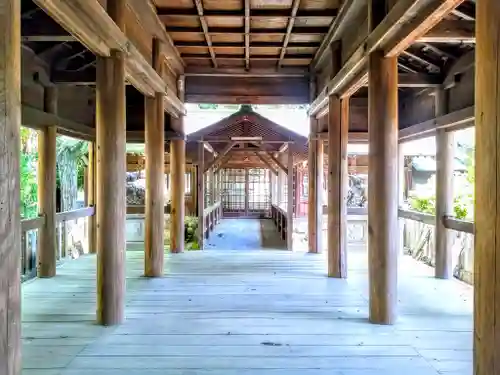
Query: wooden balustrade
[[449, 222], [211, 217], [29, 238], [279, 216]]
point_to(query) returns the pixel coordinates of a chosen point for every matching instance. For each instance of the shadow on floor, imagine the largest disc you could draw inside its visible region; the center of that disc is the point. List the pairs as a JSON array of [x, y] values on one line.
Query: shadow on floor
[[245, 234]]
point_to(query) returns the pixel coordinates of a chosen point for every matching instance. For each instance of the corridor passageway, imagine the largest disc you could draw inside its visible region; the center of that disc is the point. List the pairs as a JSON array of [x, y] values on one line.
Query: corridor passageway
[[246, 312]]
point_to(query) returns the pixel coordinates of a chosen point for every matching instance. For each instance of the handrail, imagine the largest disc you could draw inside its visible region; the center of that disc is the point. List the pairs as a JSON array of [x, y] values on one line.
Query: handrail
[[141, 209], [75, 214], [350, 210], [211, 208], [32, 224], [417, 216], [451, 222]]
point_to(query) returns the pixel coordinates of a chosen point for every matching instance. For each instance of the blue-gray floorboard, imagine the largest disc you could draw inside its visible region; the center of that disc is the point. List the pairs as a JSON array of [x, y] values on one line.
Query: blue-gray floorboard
[[246, 312]]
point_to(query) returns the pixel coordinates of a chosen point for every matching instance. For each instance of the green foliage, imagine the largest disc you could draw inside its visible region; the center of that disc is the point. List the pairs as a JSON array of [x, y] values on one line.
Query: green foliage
[[27, 169], [29, 186], [460, 208], [423, 204], [428, 205], [190, 227]]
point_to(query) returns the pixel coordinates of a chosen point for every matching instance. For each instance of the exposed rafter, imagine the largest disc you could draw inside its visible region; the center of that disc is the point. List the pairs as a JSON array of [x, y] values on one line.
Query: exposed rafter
[[204, 25], [247, 34], [291, 22], [433, 68]]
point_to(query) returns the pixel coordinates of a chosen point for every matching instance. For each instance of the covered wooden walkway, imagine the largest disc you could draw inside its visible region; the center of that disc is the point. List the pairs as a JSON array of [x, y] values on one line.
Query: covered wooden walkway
[[257, 312]]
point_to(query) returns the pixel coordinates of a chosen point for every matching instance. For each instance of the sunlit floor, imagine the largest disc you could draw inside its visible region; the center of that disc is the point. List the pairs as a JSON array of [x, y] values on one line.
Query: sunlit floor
[[245, 234], [223, 312]]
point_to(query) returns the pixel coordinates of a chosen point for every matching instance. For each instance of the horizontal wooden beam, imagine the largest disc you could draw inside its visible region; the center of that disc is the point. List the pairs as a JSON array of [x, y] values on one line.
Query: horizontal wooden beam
[[347, 11], [453, 223], [32, 224], [145, 11], [37, 119], [353, 137], [309, 30], [243, 99], [164, 12], [193, 71], [450, 122], [75, 214], [88, 22], [417, 216], [450, 32], [404, 24]]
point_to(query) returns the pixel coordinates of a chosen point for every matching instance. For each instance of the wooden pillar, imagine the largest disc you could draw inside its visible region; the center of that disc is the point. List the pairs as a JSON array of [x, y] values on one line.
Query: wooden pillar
[[338, 127], [382, 187], [177, 189], [111, 174], [201, 194], [10, 226], [247, 190], [444, 192], [47, 246], [289, 207], [154, 138], [315, 180], [487, 191], [91, 198], [194, 190], [401, 196], [279, 187], [271, 187]]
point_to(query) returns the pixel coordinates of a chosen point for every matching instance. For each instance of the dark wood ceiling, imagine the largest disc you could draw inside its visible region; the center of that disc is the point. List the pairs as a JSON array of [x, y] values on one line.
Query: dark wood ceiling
[[227, 36], [247, 33]]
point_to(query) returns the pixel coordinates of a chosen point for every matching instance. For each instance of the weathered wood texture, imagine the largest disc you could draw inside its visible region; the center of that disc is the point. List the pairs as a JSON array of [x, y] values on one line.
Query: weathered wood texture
[[256, 90], [10, 225], [91, 197], [383, 191], [177, 174], [487, 214], [338, 124], [177, 190], [155, 187], [289, 205], [230, 312], [111, 174], [46, 251], [315, 180], [155, 177], [200, 193], [444, 192]]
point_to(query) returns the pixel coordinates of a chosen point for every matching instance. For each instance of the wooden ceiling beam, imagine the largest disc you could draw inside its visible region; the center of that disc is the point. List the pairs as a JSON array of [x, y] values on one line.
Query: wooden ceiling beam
[[242, 45], [291, 22], [267, 164], [438, 51], [146, 14], [402, 26], [242, 72], [247, 34], [221, 156], [345, 14], [256, 12], [205, 56], [433, 68], [204, 26], [450, 32], [307, 30]]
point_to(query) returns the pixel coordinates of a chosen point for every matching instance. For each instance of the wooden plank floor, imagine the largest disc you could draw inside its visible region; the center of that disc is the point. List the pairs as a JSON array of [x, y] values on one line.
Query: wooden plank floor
[[246, 312]]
